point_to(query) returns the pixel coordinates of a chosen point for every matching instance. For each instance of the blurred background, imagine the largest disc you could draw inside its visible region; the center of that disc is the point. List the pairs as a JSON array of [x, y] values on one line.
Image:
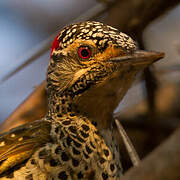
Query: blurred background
[[152, 104]]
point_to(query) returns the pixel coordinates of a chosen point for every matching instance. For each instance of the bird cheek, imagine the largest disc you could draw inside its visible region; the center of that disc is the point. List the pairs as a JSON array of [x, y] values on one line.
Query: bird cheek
[[88, 62]]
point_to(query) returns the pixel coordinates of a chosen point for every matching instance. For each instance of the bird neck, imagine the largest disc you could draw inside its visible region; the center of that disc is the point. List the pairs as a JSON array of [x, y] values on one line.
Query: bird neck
[[61, 105], [62, 102], [97, 103]]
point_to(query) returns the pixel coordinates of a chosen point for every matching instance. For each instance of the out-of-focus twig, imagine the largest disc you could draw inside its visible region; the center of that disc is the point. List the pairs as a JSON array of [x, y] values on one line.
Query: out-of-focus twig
[[129, 146]]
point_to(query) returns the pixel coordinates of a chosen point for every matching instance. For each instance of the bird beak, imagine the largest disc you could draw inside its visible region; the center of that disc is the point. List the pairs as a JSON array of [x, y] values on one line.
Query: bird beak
[[139, 58]]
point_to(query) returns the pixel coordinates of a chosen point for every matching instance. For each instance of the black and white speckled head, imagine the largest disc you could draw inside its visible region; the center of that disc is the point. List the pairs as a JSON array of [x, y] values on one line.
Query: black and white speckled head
[[82, 46], [92, 61], [86, 51], [102, 36]]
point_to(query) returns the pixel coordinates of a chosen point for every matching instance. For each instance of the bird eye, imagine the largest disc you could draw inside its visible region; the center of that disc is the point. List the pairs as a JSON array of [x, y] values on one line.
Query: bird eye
[[84, 52]]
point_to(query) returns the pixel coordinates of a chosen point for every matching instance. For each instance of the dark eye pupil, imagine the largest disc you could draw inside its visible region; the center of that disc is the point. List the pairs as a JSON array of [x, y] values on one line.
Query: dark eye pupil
[[84, 53]]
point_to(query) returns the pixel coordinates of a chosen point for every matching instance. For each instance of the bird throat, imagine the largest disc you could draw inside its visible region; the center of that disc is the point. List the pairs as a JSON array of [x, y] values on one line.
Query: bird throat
[[100, 102], [95, 102]]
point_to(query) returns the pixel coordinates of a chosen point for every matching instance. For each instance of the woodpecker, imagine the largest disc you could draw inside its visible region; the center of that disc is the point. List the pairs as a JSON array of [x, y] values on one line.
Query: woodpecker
[[89, 61]]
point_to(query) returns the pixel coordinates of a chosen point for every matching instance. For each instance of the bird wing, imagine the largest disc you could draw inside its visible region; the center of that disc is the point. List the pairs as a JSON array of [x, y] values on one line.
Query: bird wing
[[20, 143]]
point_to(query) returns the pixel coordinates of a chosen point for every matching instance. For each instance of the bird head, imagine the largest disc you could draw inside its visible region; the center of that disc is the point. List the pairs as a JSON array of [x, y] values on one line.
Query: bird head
[[88, 56]]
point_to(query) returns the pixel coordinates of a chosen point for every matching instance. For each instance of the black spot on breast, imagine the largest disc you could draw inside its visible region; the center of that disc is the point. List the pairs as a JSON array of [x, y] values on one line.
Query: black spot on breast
[[64, 156], [75, 151], [59, 115], [29, 177], [58, 149], [73, 129], [63, 110], [85, 135], [85, 127], [62, 175], [69, 108], [80, 175], [85, 155], [112, 167], [56, 130], [72, 114], [92, 145], [61, 135], [104, 176], [68, 140], [54, 162], [76, 144], [80, 139], [97, 132], [75, 162], [64, 145], [102, 160], [86, 168], [43, 154], [88, 149], [66, 122], [96, 140], [33, 161], [57, 108], [106, 152], [63, 101]]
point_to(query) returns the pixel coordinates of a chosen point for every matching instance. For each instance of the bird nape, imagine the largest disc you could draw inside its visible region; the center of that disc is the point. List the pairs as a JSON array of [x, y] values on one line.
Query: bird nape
[[91, 66]]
